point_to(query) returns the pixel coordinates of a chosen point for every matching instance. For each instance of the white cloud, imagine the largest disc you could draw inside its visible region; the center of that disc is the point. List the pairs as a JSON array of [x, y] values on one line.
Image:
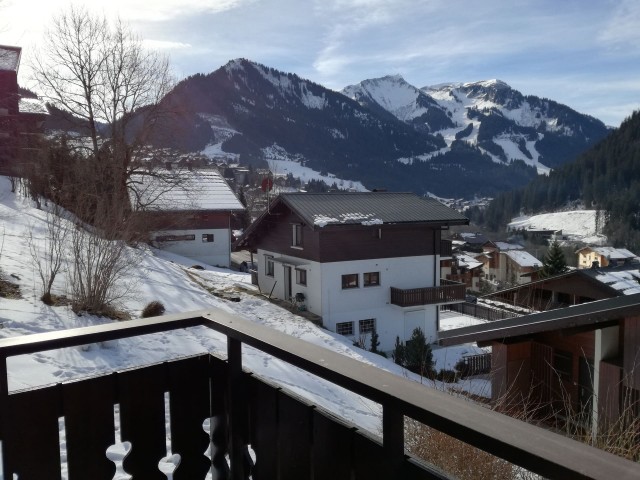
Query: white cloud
[[165, 45], [623, 27]]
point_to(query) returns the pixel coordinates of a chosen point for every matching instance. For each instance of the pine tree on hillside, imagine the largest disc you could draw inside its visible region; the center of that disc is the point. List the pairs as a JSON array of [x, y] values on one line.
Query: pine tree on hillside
[[554, 262]]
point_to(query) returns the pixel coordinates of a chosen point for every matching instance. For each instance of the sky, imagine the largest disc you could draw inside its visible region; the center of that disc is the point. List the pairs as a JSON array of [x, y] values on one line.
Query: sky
[[582, 53]]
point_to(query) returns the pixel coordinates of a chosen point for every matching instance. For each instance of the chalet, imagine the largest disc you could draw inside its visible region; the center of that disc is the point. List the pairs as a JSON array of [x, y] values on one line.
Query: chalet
[[519, 266], [21, 118], [189, 213], [508, 262], [604, 257], [571, 288], [581, 362], [361, 261], [465, 268]]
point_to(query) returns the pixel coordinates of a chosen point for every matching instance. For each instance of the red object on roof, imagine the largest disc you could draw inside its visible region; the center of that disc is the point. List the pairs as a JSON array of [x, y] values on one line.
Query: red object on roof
[[267, 184]]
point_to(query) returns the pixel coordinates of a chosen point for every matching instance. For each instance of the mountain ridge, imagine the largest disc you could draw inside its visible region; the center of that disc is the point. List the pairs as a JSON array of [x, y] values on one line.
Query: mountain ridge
[[453, 140]]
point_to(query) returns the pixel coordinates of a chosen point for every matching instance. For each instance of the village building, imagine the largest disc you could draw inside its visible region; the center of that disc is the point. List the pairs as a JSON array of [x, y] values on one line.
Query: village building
[[189, 213], [463, 267], [604, 257], [571, 288], [362, 261], [580, 362], [21, 117]]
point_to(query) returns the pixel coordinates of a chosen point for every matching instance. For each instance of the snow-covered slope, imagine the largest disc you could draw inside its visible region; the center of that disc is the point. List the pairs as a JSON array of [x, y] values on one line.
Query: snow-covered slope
[[576, 225], [168, 278]]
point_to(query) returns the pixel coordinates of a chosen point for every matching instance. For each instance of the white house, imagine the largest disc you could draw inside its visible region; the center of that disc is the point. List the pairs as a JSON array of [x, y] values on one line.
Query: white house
[[361, 261], [189, 213]]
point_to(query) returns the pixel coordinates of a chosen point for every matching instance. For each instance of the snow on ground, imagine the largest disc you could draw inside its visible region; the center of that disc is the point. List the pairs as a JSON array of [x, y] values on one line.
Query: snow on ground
[[282, 163], [577, 225], [166, 277]]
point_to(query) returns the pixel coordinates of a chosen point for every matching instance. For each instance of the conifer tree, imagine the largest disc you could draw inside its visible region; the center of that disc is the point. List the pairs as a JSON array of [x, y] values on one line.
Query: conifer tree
[[375, 342], [418, 355], [554, 262]]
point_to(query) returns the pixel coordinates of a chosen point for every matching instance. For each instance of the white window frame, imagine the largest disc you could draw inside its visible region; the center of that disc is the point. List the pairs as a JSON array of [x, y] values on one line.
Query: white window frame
[[344, 328], [367, 325]]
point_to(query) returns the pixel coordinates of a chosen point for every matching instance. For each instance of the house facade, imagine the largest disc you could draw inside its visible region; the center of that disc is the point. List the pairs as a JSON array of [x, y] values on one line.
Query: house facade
[[603, 257], [582, 362], [361, 261], [189, 213], [466, 268], [21, 118]]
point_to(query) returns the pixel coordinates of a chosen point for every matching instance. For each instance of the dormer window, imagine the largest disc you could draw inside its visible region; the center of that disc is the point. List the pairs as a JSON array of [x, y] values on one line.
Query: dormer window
[[296, 235]]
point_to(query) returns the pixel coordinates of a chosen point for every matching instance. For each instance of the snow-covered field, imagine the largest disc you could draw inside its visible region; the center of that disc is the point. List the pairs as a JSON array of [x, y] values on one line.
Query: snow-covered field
[[576, 225], [168, 278]]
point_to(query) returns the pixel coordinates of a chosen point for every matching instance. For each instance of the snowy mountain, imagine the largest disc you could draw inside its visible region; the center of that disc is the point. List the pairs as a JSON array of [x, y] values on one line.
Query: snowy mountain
[[490, 116], [452, 140]]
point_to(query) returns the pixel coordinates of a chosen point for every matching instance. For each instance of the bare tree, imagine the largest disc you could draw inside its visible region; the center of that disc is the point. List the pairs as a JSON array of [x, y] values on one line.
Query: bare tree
[[48, 253], [99, 72]]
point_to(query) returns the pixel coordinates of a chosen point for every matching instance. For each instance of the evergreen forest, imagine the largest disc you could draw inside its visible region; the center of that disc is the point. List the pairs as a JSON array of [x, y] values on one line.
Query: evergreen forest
[[604, 178]]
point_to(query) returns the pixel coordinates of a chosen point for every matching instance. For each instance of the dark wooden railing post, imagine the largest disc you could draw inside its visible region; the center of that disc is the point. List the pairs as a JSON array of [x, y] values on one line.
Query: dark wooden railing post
[[4, 391], [237, 408], [392, 440]]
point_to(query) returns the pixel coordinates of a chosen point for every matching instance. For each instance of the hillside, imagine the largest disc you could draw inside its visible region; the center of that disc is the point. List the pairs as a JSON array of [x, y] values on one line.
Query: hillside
[[606, 178], [161, 276], [454, 141]]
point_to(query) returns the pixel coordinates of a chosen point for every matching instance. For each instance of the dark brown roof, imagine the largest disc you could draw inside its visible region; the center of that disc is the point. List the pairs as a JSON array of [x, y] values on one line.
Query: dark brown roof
[[369, 208], [584, 314]]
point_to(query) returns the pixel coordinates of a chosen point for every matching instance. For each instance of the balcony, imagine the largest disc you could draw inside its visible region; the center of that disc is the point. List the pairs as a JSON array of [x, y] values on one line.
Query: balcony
[[447, 292], [257, 429]]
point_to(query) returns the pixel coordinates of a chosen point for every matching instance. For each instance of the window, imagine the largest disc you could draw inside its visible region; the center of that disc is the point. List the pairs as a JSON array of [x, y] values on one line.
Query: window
[[268, 265], [207, 237], [563, 364], [175, 238], [350, 280], [370, 279], [367, 325], [301, 276], [296, 239], [344, 328]]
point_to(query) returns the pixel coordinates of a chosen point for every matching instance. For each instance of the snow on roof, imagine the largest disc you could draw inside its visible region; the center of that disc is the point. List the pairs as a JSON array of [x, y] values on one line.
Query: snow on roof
[[184, 190], [612, 253], [32, 105], [9, 58], [625, 281], [522, 258], [369, 208], [467, 261], [504, 246]]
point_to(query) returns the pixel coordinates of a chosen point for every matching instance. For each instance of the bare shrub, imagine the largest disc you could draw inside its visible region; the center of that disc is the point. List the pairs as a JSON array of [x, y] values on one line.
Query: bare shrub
[[153, 309], [453, 456], [48, 253], [102, 270]]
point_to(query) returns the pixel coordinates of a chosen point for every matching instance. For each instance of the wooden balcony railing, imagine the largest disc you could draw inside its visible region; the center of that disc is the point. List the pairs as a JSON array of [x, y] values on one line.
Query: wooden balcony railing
[[257, 429], [447, 292]]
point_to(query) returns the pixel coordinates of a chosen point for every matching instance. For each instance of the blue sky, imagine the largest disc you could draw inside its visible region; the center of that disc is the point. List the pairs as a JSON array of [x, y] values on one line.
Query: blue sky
[[583, 53]]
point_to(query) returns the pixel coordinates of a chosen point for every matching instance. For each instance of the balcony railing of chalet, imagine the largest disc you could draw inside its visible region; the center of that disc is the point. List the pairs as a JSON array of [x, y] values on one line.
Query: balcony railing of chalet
[[446, 248], [480, 311], [447, 292], [288, 438]]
